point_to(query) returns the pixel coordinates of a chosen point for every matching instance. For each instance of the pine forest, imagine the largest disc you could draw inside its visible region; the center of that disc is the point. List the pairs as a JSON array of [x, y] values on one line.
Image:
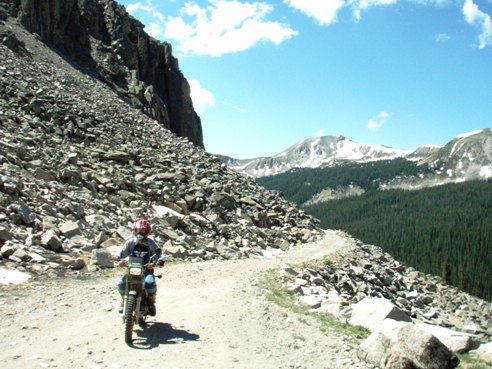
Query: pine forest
[[444, 230]]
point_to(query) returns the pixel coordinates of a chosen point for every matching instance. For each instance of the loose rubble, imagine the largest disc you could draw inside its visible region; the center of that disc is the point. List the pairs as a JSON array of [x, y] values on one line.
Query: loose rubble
[[367, 287], [78, 165]]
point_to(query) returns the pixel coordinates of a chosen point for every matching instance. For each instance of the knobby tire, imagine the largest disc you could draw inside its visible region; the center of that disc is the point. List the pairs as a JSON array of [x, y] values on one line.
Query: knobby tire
[[129, 318]]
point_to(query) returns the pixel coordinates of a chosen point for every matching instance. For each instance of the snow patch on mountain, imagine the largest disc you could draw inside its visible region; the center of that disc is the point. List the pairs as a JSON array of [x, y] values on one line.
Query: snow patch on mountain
[[486, 171], [468, 156], [314, 153], [469, 134]]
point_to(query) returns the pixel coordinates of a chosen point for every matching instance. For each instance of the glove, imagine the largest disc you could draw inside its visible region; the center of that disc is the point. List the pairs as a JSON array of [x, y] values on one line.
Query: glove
[[160, 263]]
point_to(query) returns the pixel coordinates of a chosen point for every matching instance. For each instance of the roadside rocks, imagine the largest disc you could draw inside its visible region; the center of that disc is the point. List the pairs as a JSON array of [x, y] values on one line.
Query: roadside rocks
[[406, 347], [366, 286], [78, 166]]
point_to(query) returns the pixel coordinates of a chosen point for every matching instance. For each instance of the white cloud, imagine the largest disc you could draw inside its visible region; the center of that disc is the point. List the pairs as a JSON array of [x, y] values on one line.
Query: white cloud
[[202, 98], [320, 133], [224, 27], [361, 5], [235, 107], [148, 7], [478, 18], [442, 37], [378, 121], [324, 11], [154, 29]]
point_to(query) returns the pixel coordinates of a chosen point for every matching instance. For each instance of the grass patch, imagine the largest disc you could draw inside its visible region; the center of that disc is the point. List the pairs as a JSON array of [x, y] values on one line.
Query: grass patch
[[471, 361], [273, 291]]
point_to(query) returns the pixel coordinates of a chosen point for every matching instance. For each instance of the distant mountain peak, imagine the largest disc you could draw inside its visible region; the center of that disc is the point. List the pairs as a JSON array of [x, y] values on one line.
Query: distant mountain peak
[[467, 156], [314, 152]]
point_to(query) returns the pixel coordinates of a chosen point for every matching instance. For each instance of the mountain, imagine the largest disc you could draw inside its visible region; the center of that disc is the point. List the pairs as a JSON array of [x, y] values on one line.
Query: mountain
[[468, 156], [314, 153], [99, 38], [79, 164]]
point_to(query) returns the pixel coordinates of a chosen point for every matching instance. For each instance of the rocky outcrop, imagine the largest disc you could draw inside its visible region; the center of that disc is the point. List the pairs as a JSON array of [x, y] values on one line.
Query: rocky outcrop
[[78, 165], [101, 39], [406, 347], [366, 271]]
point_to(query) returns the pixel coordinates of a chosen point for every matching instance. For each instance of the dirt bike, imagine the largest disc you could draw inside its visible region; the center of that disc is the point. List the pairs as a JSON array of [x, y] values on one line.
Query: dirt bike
[[135, 300]]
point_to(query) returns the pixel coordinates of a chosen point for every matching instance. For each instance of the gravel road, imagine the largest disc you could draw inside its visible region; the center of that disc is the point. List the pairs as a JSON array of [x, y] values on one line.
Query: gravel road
[[209, 315]]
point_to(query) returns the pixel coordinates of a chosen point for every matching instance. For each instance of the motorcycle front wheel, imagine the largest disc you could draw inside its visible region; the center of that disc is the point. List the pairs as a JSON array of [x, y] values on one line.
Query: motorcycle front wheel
[[129, 318]]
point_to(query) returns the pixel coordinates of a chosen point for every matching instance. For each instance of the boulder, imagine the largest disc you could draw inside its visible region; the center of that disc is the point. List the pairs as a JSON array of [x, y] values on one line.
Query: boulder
[[27, 216], [70, 229], [101, 258], [44, 175], [49, 222], [8, 249], [5, 235], [50, 239], [310, 301], [455, 341], [177, 252], [100, 221], [170, 234], [484, 352], [371, 312], [124, 232], [406, 346]]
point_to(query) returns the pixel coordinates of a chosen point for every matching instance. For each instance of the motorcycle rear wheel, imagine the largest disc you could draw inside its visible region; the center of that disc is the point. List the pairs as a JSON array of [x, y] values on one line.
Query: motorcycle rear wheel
[[129, 317]]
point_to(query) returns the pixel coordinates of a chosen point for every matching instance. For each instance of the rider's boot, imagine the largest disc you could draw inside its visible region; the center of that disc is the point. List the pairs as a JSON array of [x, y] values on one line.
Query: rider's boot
[[151, 300]]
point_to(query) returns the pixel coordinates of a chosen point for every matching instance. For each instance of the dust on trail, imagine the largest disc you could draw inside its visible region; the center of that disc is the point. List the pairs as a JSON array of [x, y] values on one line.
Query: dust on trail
[[209, 315]]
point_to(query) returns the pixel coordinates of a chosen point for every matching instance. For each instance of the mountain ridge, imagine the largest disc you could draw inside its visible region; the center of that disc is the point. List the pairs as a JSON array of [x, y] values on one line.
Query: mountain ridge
[[328, 151]]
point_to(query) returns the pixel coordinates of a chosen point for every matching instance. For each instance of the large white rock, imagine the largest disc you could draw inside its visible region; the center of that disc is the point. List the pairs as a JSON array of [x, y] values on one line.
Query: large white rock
[[401, 345], [455, 341], [102, 258], [51, 239], [371, 312], [70, 229], [12, 276], [311, 301], [484, 351]]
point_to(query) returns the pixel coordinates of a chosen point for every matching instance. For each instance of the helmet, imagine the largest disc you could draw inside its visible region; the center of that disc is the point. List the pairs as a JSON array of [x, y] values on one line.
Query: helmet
[[141, 227]]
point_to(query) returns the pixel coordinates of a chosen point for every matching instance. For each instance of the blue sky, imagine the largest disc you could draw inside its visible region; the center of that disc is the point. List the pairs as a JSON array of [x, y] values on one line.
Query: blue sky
[[266, 75]]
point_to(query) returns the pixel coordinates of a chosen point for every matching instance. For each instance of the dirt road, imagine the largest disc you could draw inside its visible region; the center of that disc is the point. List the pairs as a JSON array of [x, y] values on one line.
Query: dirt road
[[209, 315]]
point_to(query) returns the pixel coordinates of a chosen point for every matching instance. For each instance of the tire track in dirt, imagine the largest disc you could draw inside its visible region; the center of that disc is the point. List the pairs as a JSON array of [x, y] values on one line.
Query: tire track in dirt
[[209, 315]]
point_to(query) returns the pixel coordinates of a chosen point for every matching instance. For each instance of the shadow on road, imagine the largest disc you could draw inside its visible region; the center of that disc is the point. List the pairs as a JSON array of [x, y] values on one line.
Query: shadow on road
[[155, 334]]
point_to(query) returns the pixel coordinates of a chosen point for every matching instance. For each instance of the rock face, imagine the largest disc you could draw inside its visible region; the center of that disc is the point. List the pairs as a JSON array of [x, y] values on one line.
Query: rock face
[[100, 38], [78, 165]]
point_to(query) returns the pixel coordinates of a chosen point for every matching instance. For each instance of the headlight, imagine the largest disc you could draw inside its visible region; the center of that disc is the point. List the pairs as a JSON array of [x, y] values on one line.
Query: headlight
[[135, 271]]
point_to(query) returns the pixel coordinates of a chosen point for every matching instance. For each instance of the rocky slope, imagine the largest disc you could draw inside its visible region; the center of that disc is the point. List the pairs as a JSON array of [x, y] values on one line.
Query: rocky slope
[[468, 156], [366, 271], [100, 38], [78, 165]]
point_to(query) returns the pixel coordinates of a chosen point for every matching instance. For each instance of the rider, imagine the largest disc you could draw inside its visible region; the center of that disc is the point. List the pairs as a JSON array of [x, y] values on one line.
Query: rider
[[141, 245]]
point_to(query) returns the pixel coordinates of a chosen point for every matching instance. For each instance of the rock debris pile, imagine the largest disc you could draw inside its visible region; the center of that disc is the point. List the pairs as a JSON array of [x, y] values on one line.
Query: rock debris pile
[[78, 165], [103, 39], [366, 279]]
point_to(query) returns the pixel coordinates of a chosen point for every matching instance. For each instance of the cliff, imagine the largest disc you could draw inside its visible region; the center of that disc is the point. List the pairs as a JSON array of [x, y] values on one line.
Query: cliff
[[101, 39]]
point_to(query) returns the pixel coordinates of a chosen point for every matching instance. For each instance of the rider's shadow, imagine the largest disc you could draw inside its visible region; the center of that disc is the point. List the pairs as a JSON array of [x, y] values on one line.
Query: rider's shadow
[[155, 334]]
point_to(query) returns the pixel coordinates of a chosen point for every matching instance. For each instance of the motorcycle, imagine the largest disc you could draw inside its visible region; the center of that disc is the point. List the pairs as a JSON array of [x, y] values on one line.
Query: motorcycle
[[135, 300]]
